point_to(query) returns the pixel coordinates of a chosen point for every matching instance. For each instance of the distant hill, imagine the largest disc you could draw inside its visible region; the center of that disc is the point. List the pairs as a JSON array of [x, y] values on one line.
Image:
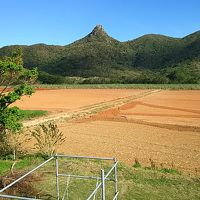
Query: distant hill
[[99, 58]]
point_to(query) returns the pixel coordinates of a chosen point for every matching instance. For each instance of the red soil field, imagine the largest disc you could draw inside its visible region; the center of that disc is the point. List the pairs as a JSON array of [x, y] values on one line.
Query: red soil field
[[175, 108], [163, 125], [69, 99]]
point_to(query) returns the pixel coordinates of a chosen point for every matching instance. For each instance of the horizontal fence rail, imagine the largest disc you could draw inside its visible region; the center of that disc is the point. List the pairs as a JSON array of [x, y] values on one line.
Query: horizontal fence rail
[[84, 157], [104, 177], [85, 177], [16, 197]]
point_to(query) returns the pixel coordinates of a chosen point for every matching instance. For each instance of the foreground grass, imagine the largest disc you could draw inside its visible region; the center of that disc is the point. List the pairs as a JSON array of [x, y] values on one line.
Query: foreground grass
[[29, 114], [123, 86], [134, 183], [23, 163]]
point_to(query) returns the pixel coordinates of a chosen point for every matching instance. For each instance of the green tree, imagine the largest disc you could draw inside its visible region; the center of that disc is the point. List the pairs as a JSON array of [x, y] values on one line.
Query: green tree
[[15, 82]]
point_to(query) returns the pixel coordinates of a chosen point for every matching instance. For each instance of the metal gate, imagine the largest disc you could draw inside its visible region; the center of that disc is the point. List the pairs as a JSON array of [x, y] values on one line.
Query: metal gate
[[100, 186]]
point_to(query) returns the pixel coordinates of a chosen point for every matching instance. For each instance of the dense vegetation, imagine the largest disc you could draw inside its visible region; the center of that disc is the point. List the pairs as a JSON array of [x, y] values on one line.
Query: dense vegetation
[[13, 74], [98, 58], [122, 86]]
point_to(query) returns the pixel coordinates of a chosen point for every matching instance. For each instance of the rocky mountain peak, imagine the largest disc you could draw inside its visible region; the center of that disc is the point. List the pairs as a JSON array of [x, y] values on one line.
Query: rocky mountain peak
[[98, 30]]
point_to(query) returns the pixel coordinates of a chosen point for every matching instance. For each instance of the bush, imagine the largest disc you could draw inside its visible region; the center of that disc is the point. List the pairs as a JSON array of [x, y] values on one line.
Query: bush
[[136, 164], [48, 138]]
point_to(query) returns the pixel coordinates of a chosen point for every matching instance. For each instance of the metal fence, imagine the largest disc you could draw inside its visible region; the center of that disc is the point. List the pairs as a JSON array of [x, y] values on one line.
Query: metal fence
[[100, 186]]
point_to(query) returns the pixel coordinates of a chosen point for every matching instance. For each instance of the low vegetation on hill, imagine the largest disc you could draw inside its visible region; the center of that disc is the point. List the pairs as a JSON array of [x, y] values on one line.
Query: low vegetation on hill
[[102, 59]]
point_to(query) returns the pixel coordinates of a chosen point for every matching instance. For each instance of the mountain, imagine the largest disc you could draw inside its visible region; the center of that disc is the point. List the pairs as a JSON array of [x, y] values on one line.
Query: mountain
[[151, 58]]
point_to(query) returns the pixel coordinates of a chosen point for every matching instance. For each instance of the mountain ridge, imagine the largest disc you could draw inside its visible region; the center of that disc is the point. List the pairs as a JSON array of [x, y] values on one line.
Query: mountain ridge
[[96, 27], [99, 55]]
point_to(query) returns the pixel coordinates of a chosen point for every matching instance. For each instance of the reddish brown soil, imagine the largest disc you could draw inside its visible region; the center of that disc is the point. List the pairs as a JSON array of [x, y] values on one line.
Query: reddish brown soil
[[179, 110], [163, 126], [128, 141], [70, 99]]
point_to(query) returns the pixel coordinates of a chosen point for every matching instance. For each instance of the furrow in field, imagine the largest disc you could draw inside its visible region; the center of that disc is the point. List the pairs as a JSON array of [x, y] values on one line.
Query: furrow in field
[[88, 110]]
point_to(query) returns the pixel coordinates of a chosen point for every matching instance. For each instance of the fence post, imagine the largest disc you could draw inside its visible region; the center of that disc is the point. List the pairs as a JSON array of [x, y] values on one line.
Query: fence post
[[103, 195], [116, 181], [57, 181]]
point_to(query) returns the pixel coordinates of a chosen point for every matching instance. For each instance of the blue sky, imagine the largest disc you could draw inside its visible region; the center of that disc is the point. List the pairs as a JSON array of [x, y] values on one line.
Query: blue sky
[[64, 21]]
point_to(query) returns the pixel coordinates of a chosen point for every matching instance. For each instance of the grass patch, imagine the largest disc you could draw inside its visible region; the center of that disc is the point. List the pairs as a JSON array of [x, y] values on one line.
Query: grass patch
[[169, 171], [164, 170], [22, 163], [153, 167], [122, 86], [29, 114], [5, 166], [154, 184], [134, 183], [137, 164]]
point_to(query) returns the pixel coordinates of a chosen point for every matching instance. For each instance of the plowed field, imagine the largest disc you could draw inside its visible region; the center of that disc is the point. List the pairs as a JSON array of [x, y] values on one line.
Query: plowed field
[[160, 125]]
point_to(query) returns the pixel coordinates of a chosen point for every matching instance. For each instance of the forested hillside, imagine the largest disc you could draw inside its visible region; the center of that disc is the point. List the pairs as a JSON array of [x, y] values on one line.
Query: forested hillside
[[99, 58]]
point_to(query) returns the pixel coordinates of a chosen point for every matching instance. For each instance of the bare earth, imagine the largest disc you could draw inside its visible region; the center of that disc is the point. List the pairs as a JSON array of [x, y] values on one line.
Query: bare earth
[[161, 125], [70, 99]]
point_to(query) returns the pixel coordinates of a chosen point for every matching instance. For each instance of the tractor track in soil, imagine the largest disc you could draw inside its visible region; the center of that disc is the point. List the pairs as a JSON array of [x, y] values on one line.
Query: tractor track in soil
[[87, 111]]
